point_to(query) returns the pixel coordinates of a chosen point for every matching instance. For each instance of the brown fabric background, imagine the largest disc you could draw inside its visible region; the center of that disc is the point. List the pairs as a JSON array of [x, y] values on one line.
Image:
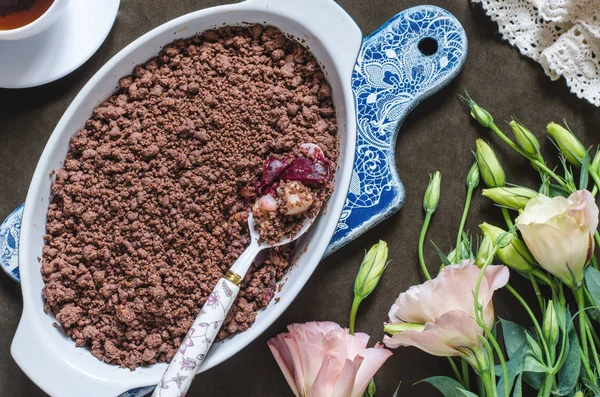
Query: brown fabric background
[[438, 135]]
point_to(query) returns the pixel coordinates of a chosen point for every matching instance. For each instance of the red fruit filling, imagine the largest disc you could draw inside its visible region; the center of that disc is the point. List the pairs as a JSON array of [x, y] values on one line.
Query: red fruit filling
[[306, 170]]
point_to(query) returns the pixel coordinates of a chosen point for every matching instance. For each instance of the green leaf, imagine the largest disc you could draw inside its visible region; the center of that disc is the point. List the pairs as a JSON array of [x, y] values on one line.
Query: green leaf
[[518, 392], [592, 281], [371, 389], [557, 190], [442, 256], [466, 247], [397, 390], [534, 346], [447, 386], [533, 365], [569, 179], [468, 393], [593, 389], [569, 372], [534, 379], [583, 177], [514, 336], [514, 368]]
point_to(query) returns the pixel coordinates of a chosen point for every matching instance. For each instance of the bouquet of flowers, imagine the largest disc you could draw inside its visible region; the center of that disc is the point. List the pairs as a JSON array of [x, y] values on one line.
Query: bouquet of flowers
[[549, 238]]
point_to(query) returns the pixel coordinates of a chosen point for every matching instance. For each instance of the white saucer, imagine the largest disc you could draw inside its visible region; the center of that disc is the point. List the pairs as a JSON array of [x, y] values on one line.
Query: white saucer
[[61, 49]]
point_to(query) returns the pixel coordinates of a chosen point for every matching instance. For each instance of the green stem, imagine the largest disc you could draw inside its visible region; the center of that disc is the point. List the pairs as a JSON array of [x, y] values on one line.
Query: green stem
[[597, 238], [463, 220], [538, 293], [592, 346], [551, 174], [580, 299], [545, 278], [536, 324], [500, 355], [587, 318], [476, 303], [490, 371], [506, 139], [558, 363], [596, 179], [455, 370], [547, 386], [488, 333], [488, 385], [540, 165], [480, 385], [465, 373], [421, 242], [507, 218], [353, 311]]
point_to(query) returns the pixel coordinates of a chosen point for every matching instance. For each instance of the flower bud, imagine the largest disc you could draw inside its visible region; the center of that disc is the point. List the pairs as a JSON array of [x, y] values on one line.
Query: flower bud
[[526, 140], [473, 176], [568, 144], [515, 254], [489, 166], [579, 394], [485, 248], [480, 114], [515, 198], [432, 194], [550, 325], [371, 269]]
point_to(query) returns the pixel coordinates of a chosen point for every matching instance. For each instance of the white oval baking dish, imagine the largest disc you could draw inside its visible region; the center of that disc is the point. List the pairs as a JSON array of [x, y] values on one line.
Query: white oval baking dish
[[50, 358]]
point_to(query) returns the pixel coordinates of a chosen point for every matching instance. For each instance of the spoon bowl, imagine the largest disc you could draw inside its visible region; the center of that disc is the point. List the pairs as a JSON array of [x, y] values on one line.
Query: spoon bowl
[[254, 234]]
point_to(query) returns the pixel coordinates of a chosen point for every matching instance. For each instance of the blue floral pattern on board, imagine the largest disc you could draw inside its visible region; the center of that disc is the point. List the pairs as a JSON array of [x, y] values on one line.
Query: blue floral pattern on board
[[390, 78], [10, 230]]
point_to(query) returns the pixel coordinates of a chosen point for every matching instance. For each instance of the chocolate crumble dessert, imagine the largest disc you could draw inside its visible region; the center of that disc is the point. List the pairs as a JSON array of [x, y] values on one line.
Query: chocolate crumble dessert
[[151, 206]]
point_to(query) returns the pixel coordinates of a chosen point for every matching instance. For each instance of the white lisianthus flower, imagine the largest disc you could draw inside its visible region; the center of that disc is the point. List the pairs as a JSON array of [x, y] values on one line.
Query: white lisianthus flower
[[559, 232]]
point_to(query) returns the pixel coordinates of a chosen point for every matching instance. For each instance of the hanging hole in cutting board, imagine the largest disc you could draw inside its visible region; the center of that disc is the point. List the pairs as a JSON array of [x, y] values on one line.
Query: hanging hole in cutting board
[[428, 46]]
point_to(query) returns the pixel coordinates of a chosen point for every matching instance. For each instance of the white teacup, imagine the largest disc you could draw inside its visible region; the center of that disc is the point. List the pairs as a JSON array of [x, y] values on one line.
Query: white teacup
[[42, 23]]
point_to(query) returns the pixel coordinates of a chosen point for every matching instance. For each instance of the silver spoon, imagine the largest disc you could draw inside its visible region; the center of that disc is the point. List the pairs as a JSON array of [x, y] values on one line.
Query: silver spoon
[[193, 350]]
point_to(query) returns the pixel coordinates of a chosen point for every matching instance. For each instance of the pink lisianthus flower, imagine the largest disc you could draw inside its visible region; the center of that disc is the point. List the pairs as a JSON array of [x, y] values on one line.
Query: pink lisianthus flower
[[321, 359], [438, 316]]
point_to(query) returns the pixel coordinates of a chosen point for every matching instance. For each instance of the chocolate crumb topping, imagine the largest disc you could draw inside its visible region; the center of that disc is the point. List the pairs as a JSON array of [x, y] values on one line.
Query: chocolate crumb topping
[[150, 207]]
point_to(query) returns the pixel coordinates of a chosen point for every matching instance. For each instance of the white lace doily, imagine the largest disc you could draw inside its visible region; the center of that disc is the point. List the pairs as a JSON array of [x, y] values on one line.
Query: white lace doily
[[562, 35]]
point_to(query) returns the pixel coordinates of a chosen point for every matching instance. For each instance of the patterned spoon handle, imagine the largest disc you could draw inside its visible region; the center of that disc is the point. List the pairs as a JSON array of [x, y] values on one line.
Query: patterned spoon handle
[[193, 349]]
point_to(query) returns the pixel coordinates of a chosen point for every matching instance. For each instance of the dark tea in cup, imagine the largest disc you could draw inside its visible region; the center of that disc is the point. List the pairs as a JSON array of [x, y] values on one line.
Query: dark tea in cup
[[18, 13]]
